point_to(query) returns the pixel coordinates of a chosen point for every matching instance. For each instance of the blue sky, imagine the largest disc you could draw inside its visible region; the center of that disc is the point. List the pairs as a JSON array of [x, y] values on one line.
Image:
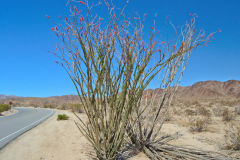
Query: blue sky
[[26, 69]]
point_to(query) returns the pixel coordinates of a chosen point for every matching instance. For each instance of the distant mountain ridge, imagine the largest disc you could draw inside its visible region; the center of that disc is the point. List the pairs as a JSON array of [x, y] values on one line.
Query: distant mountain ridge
[[211, 89], [199, 90], [2, 96]]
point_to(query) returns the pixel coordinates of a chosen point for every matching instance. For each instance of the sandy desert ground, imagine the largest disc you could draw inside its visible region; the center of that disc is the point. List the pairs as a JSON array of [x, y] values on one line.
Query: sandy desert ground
[[61, 140]]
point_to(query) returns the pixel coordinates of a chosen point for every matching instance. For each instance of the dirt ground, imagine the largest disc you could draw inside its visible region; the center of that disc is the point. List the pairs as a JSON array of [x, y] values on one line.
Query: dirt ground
[[61, 140]]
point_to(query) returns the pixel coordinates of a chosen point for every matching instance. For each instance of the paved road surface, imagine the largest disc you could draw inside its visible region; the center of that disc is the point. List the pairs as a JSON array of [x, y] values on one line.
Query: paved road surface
[[14, 125]]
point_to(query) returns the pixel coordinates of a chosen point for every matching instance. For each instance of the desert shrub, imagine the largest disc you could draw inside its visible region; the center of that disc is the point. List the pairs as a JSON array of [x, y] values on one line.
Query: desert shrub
[[237, 110], [230, 103], [210, 105], [62, 106], [62, 117], [196, 103], [203, 111], [111, 63], [76, 107], [218, 111], [227, 115], [198, 124], [52, 105], [4, 107], [232, 136], [190, 112]]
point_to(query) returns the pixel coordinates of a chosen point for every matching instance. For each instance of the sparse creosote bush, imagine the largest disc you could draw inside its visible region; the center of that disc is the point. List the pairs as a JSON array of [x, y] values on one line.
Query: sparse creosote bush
[[203, 111], [4, 107], [237, 110], [111, 61], [198, 124], [76, 107], [218, 111], [227, 115], [232, 136]]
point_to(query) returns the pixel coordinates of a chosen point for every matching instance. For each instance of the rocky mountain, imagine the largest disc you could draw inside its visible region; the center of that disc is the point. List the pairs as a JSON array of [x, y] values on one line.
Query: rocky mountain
[[211, 90], [200, 90], [2, 96]]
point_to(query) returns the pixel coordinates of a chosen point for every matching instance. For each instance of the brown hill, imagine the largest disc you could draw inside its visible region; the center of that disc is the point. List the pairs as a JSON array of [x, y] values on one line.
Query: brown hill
[[211, 90], [200, 90]]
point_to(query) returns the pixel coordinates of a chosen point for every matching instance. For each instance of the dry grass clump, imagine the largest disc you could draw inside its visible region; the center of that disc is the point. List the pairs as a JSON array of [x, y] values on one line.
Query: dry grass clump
[[76, 107], [237, 110], [51, 105], [229, 103], [203, 111], [196, 103], [218, 111], [198, 124], [190, 112], [232, 136], [227, 115]]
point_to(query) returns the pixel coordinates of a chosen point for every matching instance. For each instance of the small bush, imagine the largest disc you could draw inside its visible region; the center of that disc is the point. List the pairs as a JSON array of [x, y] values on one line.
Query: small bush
[[237, 110], [62, 117], [4, 107], [203, 111], [198, 124], [232, 136], [218, 112], [190, 112], [76, 107], [227, 116], [196, 103], [53, 105]]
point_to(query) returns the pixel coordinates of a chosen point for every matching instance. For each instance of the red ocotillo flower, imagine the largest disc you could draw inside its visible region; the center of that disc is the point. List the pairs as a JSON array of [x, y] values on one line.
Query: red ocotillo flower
[[174, 47], [100, 18], [210, 35], [112, 8], [202, 36], [156, 51], [163, 42], [136, 18], [66, 18], [182, 44], [76, 53], [82, 2], [152, 27], [155, 15], [126, 21], [99, 2], [56, 28], [57, 62], [52, 29], [107, 4], [48, 16], [114, 16], [219, 30], [56, 34]]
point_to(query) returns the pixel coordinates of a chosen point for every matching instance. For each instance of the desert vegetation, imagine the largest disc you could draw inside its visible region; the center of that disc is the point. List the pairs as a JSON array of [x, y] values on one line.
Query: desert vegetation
[[111, 63], [62, 117], [4, 107]]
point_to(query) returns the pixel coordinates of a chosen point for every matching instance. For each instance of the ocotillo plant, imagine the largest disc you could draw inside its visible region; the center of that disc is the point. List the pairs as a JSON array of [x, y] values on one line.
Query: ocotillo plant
[[111, 62]]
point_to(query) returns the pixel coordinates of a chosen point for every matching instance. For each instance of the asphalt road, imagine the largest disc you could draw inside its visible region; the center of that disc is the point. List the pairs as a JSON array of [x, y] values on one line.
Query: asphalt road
[[14, 125]]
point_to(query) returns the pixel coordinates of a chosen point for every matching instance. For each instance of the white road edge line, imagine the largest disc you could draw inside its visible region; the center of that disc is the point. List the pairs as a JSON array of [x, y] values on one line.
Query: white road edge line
[[25, 127]]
